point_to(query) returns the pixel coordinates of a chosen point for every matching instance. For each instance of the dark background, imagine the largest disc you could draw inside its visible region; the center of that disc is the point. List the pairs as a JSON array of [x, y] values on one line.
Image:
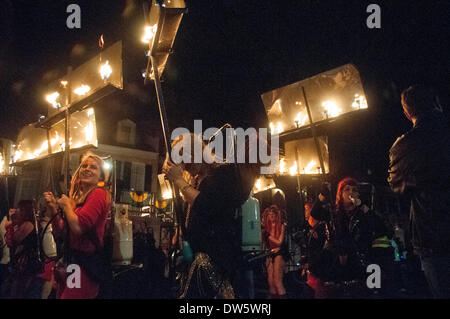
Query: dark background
[[227, 53]]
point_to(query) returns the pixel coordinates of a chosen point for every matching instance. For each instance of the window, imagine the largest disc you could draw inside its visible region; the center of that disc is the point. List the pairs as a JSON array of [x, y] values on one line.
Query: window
[[126, 132], [137, 176]]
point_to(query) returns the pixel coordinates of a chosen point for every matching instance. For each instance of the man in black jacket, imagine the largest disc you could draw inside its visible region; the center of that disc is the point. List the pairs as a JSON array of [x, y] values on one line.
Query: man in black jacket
[[420, 168]]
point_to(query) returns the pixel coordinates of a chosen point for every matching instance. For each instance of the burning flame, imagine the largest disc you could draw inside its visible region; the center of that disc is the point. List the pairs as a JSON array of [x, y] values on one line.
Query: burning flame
[[82, 90], [105, 70], [51, 98], [101, 42], [2, 164], [293, 169], [359, 102], [283, 166], [89, 132], [263, 184], [311, 168], [331, 108], [279, 129], [17, 155], [150, 32], [167, 194], [258, 184], [90, 112], [64, 83], [300, 119]]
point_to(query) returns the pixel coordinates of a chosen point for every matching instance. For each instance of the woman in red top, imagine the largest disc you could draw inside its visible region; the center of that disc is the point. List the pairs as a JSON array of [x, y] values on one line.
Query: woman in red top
[[273, 234], [86, 211]]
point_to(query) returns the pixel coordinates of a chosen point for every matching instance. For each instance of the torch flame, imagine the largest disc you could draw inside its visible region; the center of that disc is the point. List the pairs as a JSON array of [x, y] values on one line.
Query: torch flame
[[309, 169], [2, 164], [258, 184], [89, 132], [272, 128], [283, 166], [167, 194], [150, 32], [359, 102], [17, 155], [105, 70], [280, 127], [300, 119], [51, 98], [293, 169], [82, 90], [331, 108]]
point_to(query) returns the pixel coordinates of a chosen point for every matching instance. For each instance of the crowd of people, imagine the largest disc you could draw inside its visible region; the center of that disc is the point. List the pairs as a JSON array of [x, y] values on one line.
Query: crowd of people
[[343, 237]]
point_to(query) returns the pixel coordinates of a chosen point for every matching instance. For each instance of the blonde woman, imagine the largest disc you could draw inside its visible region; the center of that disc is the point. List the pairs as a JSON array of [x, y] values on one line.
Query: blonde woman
[[86, 211]]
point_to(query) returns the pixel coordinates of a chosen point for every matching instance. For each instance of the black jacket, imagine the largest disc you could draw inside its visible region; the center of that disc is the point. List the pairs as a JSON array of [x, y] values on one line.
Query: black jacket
[[212, 227], [420, 168]]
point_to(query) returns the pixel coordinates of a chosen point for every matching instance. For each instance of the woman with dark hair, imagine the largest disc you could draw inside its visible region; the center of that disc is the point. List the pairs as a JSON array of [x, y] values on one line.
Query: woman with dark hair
[[86, 211], [273, 235], [361, 237], [22, 238], [352, 233]]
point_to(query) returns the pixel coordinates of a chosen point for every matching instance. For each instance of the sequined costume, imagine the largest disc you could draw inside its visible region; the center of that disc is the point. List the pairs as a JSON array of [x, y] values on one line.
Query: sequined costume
[[213, 231]]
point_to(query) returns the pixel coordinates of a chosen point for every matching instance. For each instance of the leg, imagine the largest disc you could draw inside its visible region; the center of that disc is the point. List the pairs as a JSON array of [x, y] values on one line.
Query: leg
[[47, 289], [278, 273], [270, 279]]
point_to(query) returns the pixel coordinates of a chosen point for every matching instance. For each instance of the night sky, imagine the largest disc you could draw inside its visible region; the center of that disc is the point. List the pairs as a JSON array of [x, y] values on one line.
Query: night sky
[[229, 52]]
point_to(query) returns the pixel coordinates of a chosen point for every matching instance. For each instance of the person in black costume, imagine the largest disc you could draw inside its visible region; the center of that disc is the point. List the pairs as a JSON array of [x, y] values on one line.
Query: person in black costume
[[420, 170], [320, 260], [213, 192], [351, 234]]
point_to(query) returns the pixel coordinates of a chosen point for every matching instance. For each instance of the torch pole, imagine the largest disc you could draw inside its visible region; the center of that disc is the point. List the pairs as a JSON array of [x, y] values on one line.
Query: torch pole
[[67, 134], [165, 129], [299, 186], [314, 134], [175, 191]]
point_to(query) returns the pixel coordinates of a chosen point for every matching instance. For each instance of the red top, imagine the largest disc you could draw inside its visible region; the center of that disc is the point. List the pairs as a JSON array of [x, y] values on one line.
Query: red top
[[92, 214]]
